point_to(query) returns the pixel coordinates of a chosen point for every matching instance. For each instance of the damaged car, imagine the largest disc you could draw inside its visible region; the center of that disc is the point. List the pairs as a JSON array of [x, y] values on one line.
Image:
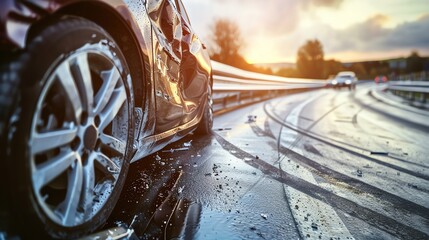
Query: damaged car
[[86, 88]]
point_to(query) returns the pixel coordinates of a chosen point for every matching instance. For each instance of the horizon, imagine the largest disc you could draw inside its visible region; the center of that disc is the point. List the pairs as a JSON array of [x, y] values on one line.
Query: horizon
[[352, 61]]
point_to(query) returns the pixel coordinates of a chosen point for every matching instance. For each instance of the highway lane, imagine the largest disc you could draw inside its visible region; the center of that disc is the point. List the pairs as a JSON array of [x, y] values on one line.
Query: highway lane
[[323, 164]]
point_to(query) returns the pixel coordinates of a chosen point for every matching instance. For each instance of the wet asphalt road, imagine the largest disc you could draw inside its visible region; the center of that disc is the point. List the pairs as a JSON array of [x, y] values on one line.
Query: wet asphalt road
[[317, 165]]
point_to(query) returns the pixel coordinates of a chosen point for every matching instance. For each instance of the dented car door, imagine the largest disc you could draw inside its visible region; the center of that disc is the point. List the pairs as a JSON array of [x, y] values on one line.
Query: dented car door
[[166, 24], [194, 68]]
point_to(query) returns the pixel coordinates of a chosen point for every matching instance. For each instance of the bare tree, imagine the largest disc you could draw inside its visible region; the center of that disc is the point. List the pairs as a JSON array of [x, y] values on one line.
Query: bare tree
[[310, 61], [227, 42]]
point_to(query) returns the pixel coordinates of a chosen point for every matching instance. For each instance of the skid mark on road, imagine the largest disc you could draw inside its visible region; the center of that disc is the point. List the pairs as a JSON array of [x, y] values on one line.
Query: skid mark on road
[[415, 125], [351, 208], [267, 130], [374, 142], [308, 212], [363, 156], [275, 117], [326, 172]]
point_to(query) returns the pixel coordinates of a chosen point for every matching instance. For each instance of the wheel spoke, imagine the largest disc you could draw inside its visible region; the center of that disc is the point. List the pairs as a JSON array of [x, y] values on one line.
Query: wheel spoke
[[102, 98], [114, 144], [118, 98], [85, 83], [49, 170], [106, 165], [42, 142], [70, 205], [88, 186], [67, 81]]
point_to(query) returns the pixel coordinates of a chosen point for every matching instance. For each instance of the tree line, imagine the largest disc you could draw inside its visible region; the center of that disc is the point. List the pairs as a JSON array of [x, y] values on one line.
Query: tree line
[[227, 43]]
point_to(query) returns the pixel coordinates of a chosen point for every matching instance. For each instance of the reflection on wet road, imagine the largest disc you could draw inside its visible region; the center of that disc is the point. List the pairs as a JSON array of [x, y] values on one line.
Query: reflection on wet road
[[318, 165]]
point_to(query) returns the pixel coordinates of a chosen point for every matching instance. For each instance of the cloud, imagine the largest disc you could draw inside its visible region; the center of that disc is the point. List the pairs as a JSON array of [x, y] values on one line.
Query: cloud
[[408, 35], [424, 17], [326, 3], [370, 36], [273, 18]]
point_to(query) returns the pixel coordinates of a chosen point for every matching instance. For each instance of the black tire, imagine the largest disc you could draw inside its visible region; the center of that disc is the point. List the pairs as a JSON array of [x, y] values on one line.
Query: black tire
[[73, 82], [8, 88], [206, 124]]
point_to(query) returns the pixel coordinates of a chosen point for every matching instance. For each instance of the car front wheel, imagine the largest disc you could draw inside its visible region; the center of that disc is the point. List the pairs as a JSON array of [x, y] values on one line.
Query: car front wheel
[[71, 132]]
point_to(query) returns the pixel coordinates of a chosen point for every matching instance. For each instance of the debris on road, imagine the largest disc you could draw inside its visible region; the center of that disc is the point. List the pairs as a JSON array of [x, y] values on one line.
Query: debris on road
[[251, 118], [172, 150], [187, 144], [223, 129], [380, 153], [359, 173], [215, 169], [314, 226], [180, 190], [133, 221], [367, 166]]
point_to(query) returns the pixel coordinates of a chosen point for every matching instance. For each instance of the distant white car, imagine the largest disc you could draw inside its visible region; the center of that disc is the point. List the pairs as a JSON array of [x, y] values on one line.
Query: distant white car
[[345, 79]]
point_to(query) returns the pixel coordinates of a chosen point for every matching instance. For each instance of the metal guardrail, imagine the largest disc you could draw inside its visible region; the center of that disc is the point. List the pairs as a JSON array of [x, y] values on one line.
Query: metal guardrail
[[234, 87], [416, 76], [410, 90]]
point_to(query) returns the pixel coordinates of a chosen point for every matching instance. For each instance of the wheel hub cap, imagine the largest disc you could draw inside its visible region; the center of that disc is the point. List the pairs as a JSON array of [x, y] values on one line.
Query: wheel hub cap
[[90, 138]]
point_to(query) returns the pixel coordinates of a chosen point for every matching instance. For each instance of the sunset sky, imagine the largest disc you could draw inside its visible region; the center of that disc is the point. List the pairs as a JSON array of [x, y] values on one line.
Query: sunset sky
[[349, 30]]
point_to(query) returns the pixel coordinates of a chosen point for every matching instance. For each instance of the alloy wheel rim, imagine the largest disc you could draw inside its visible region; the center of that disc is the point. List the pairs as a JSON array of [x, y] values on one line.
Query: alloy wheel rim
[[78, 138]]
